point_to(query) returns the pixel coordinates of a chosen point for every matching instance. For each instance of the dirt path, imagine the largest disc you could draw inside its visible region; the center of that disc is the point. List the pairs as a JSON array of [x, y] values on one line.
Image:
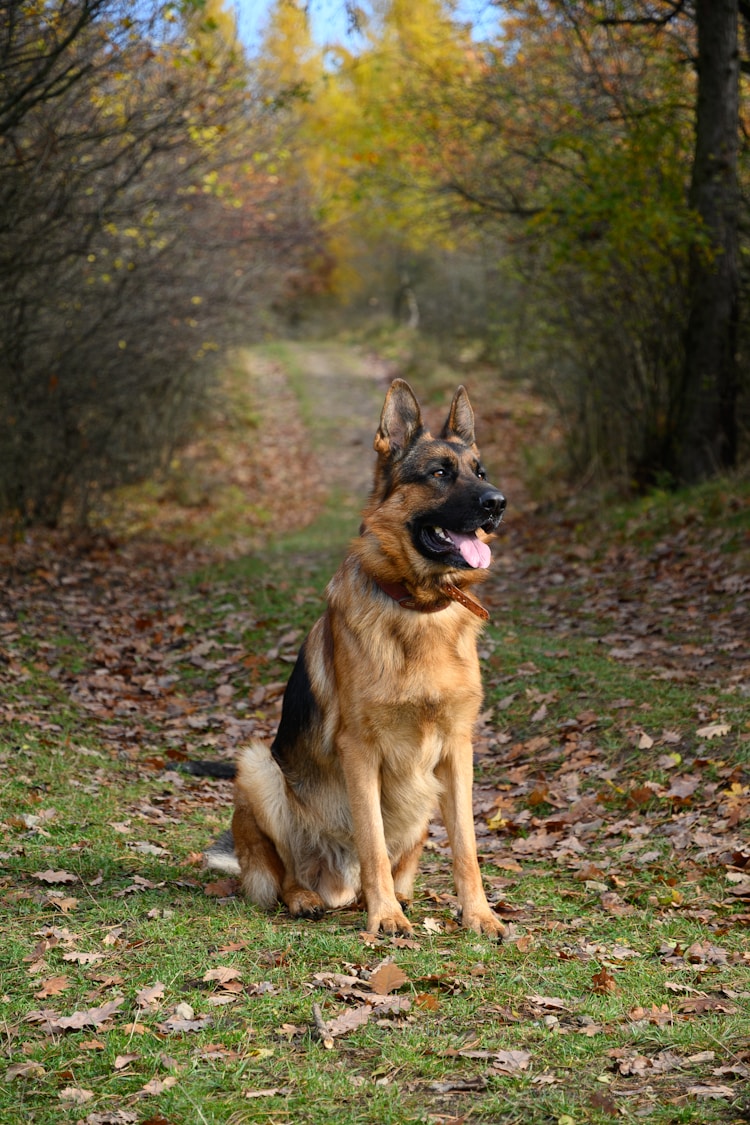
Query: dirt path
[[341, 393]]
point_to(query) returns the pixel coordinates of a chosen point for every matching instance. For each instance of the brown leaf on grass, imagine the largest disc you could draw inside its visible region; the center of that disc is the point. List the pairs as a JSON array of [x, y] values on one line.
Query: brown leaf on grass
[[615, 904], [539, 841], [158, 1086], [642, 794], [604, 983], [151, 996], [272, 1092], [604, 1104], [123, 1061], [457, 1085], [75, 1095], [711, 1091], [41, 948], [405, 943], [349, 1020], [428, 1001], [184, 1020], [222, 888], [24, 1070], [552, 1002], [705, 953], [714, 730], [510, 1062], [656, 1015], [113, 1117], [699, 1005], [50, 876], [222, 974], [387, 978], [632, 1063], [681, 789], [81, 958], [53, 986], [63, 903], [52, 1023]]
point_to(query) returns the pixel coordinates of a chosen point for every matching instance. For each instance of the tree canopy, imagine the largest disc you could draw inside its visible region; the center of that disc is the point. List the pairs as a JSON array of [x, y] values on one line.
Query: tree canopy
[[566, 186], [566, 150]]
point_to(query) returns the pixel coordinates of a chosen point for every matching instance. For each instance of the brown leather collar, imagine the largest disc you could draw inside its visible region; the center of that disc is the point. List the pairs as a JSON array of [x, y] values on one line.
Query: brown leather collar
[[400, 594]]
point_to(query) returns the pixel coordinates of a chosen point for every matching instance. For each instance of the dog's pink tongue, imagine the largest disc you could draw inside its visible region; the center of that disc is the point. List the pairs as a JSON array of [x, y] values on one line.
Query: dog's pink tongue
[[475, 552]]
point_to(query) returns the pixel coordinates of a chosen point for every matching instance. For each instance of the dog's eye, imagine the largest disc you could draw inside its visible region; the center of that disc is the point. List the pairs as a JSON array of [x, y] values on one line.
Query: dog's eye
[[440, 472], [481, 473]]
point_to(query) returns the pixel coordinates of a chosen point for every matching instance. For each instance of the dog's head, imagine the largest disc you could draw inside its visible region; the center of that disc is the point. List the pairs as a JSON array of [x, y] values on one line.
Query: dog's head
[[431, 504]]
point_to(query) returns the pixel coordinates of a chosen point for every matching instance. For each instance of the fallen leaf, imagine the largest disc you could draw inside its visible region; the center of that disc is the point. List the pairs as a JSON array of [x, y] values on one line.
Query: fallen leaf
[[222, 974], [177, 1024], [428, 1001], [615, 904], [54, 876], [222, 888], [52, 1023], [714, 730], [75, 1095], [158, 1085], [711, 1091], [387, 978], [53, 986], [553, 1002], [149, 997], [349, 1020], [24, 1070], [510, 1062], [604, 983], [121, 1061]]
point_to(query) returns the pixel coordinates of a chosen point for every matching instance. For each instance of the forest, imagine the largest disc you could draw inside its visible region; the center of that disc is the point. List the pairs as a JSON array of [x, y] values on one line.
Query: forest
[[566, 196]]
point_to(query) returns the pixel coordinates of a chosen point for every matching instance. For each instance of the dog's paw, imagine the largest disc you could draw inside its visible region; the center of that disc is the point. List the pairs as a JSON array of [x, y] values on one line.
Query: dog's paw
[[305, 904], [390, 921], [484, 922]]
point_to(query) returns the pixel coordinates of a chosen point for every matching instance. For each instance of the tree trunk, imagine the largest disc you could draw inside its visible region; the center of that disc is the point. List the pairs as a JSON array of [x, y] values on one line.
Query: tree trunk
[[708, 434]]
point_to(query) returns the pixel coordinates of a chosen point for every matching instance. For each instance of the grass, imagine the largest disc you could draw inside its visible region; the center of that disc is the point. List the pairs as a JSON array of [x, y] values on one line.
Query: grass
[[622, 992]]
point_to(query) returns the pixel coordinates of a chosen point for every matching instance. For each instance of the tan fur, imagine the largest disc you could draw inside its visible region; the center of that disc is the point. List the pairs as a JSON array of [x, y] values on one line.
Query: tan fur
[[378, 718]]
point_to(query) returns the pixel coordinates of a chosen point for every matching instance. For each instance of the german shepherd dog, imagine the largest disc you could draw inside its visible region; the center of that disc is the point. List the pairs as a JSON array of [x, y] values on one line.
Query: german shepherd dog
[[377, 718]]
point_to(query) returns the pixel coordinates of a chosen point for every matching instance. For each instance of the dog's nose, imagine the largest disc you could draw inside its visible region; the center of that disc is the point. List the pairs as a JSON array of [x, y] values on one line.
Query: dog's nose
[[493, 502]]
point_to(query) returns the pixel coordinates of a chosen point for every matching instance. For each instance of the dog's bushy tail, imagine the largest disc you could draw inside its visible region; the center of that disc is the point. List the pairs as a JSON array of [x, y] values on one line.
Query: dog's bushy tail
[[220, 856], [199, 768]]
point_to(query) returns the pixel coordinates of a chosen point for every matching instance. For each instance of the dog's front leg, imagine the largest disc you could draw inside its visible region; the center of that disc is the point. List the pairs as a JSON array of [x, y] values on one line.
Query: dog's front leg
[[362, 775], [455, 770]]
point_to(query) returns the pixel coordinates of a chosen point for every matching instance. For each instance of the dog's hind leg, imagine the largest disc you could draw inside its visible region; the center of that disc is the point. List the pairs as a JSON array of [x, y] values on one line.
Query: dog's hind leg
[[265, 876], [261, 869], [404, 872]]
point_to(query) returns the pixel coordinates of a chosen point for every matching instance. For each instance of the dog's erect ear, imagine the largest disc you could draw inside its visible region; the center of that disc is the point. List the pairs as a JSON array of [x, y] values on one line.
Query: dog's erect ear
[[460, 421], [400, 422]]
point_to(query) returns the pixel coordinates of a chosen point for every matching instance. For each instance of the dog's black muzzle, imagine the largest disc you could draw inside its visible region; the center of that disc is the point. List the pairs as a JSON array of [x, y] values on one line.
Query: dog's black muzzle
[[493, 503]]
